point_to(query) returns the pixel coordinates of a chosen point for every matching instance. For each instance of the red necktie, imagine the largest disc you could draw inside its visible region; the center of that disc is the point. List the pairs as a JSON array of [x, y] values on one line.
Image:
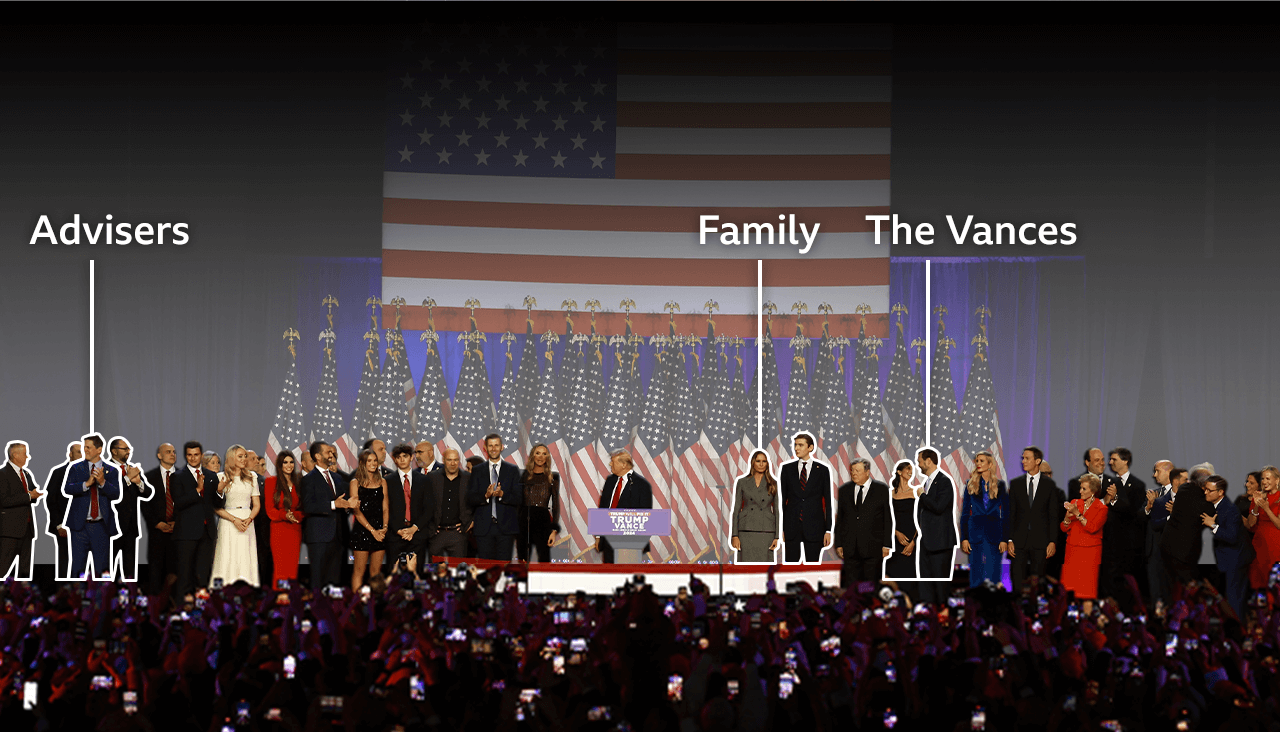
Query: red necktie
[[199, 482], [406, 500], [93, 497], [23, 475], [617, 492], [168, 499], [329, 479]]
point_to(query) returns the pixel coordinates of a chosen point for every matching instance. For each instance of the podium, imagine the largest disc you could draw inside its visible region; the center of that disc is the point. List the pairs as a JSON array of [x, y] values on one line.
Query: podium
[[628, 529]]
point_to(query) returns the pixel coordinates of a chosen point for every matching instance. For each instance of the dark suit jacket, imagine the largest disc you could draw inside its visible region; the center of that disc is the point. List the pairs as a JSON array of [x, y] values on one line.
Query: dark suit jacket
[[1034, 525], [864, 532], [815, 501], [1073, 488], [508, 504], [1183, 530], [193, 511], [936, 511], [1156, 521], [78, 510], [153, 507], [422, 508], [637, 493], [55, 501], [127, 509], [1123, 532], [1232, 543], [16, 518], [436, 484], [320, 523], [433, 467]]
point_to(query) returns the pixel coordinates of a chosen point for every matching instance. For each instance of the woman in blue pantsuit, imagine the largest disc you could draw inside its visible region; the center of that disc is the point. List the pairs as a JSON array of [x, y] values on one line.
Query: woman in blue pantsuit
[[984, 521]]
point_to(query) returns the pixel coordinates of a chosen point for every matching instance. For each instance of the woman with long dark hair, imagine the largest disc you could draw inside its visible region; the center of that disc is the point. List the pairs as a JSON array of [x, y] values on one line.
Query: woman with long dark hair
[[540, 513], [754, 529], [902, 562], [284, 509]]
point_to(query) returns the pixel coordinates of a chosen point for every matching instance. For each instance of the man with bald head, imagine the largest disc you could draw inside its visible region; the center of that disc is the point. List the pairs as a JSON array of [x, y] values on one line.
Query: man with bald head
[[453, 515], [1156, 511], [424, 458], [157, 514]]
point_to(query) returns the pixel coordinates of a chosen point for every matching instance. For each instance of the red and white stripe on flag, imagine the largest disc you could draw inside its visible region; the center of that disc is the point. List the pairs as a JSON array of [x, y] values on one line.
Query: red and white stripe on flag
[[347, 451], [658, 472]]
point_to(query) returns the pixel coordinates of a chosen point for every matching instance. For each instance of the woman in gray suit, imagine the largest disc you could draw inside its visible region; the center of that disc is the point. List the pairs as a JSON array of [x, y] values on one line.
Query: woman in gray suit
[[755, 512]]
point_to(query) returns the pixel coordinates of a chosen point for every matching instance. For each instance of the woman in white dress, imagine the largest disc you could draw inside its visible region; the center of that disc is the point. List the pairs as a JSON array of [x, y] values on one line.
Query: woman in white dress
[[235, 557]]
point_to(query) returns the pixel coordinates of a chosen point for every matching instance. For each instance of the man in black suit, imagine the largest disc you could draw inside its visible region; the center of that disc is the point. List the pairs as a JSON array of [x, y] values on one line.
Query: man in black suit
[[160, 517], [1033, 520], [18, 493], [1124, 496], [424, 458], [1094, 462], [864, 526], [448, 488], [133, 490], [635, 492], [55, 510], [1167, 481], [807, 503], [1181, 541], [322, 502], [411, 511], [495, 497], [936, 513], [261, 522], [195, 500]]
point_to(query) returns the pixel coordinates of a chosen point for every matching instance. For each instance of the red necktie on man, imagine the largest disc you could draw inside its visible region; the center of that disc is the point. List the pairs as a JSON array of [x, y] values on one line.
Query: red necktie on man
[[406, 500], [168, 500], [617, 492]]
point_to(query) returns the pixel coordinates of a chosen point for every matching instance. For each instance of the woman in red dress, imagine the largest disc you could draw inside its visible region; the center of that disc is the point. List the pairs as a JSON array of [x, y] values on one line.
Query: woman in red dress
[[283, 508], [1265, 519], [1083, 523]]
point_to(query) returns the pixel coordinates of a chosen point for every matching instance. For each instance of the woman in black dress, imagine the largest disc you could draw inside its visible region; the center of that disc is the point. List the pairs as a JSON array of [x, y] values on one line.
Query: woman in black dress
[[902, 563], [369, 533], [540, 513]]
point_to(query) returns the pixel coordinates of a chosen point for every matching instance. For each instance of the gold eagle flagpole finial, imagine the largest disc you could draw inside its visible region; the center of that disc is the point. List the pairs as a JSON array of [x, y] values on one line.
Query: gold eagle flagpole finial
[[291, 336]]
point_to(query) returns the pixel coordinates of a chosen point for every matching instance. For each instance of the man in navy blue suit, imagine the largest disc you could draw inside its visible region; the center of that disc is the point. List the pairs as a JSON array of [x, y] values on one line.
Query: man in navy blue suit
[[936, 512], [494, 496], [93, 486], [323, 501], [1232, 545]]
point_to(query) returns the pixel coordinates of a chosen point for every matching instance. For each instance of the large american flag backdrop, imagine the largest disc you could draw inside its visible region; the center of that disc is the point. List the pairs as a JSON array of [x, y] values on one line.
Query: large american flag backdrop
[[546, 180]]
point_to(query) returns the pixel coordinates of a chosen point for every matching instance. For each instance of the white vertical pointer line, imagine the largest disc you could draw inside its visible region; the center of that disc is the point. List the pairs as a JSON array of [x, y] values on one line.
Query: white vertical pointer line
[[928, 357], [92, 349], [759, 354]]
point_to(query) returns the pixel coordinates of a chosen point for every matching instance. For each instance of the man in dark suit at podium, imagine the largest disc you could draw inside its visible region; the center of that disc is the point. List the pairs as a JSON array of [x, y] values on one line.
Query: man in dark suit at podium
[[1035, 504], [634, 493], [55, 508], [936, 511], [807, 503], [494, 496], [864, 526]]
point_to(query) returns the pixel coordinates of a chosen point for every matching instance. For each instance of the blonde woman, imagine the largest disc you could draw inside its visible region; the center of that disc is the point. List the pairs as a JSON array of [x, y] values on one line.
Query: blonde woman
[[235, 556], [984, 520]]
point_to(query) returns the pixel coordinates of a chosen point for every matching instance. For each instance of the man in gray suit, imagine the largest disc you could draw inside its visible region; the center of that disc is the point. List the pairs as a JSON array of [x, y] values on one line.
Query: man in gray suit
[[453, 515]]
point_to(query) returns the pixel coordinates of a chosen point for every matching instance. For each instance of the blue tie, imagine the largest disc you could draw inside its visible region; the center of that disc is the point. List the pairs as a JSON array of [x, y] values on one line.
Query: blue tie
[[494, 470]]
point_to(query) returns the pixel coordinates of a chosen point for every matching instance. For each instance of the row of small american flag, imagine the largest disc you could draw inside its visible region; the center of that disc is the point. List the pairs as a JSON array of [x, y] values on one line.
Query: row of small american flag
[[691, 428]]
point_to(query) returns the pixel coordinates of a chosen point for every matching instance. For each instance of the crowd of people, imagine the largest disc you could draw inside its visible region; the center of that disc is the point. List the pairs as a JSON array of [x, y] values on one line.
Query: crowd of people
[[467, 648], [1108, 623]]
